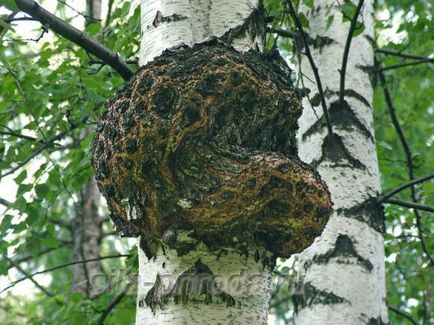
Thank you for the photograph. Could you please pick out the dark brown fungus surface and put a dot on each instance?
(203, 139)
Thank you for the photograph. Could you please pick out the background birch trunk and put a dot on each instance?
(86, 225)
(342, 276)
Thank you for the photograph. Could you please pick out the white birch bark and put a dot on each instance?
(172, 23)
(342, 275)
(168, 24)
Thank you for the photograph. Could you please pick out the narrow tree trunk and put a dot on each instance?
(242, 278)
(342, 276)
(86, 225)
(86, 231)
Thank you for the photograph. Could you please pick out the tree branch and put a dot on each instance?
(403, 314)
(406, 185)
(76, 36)
(282, 32)
(61, 267)
(44, 146)
(406, 64)
(409, 204)
(403, 55)
(343, 70)
(5, 203)
(61, 223)
(113, 304)
(17, 135)
(30, 277)
(30, 256)
(312, 64)
(409, 158)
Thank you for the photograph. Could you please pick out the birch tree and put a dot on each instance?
(197, 157)
(342, 276)
(211, 183)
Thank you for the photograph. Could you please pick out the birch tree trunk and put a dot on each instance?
(169, 24)
(342, 275)
(231, 284)
(197, 156)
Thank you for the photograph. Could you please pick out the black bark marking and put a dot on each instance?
(313, 296)
(333, 149)
(341, 116)
(343, 248)
(156, 296)
(320, 42)
(369, 211)
(376, 321)
(315, 100)
(254, 25)
(197, 284)
(159, 18)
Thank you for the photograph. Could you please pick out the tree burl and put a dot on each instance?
(203, 140)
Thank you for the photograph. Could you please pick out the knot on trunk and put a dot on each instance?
(203, 139)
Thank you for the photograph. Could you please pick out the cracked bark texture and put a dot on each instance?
(197, 156)
(342, 275)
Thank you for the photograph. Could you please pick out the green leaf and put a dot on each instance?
(4, 266)
(308, 3)
(348, 10)
(21, 177)
(360, 27)
(9, 4)
(329, 22)
(303, 19)
(20, 204)
(5, 224)
(41, 190)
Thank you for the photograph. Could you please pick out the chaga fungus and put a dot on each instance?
(203, 140)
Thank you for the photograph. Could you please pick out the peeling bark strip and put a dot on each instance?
(204, 140)
(347, 260)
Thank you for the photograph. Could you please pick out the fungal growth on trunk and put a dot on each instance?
(203, 140)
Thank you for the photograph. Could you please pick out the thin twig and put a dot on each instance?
(312, 64)
(76, 36)
(405, 64)
(406, 185)
(109, 13)
(403, 314)
(87, 17)
(409, 158)
(12, 20)
(343, 70)
(44, 146)
(2, 28)
(63, 266)
(409, 204)
(5, 203)
(61, 223)
(30, 256)
(403, 55)
(282, 32)
(29, 276)
(113, 304)
(17, 135)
